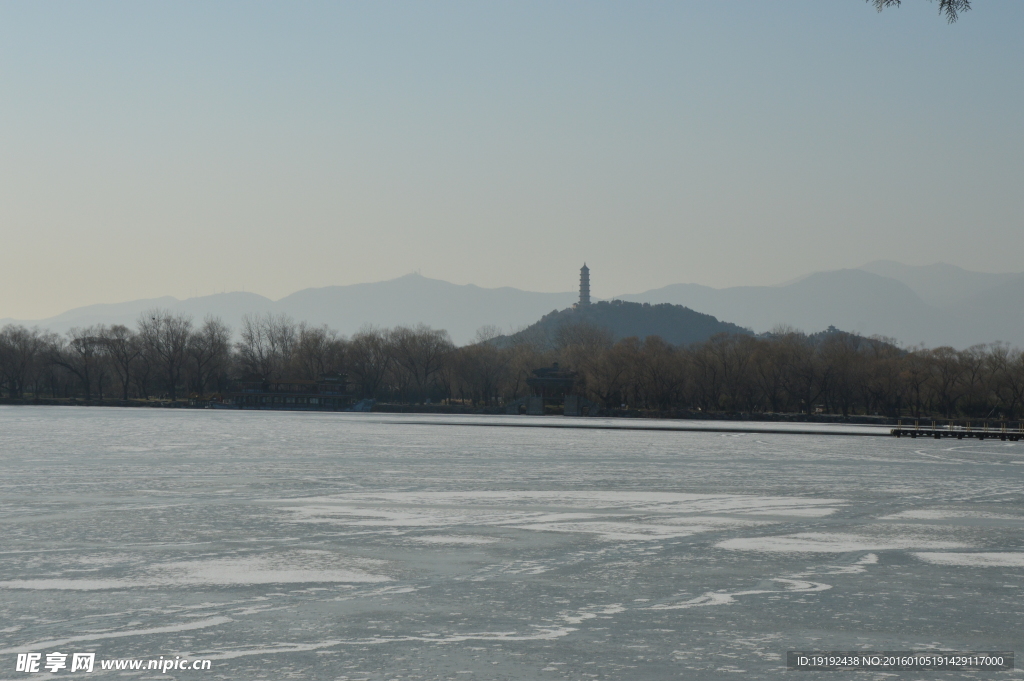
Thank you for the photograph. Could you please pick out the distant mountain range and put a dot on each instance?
(409, 300)
(935, 304)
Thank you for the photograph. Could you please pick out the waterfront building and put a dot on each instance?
(552, 383)
(328, 393)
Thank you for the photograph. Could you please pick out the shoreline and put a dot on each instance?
(466, 410)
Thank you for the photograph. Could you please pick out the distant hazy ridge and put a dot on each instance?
(935, 304)
(409, 300)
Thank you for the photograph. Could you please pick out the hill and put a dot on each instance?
(674, 323)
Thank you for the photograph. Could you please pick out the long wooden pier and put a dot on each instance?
(960, 430)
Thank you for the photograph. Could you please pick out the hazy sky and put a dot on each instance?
(187, 148)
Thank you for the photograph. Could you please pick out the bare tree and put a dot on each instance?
(917, 376)
(840, 351)
(581, 346)
(370, 355)
(80, 355)
(481, 370)
(662, 372)
(608, 372)
(266, 345)
(318, 351)
(768, 368)
(487, 332)
(525, 356)
(805, 376)
(951, 8)
(708, 382)
(421, 352)
(948, 378)
(882, 385)
(976, 381)
(165, 337)
(20, 352)
(209, 351)
(123, 350)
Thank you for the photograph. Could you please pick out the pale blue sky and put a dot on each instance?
(185, 148)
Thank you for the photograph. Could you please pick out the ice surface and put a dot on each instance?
(652, 502)
(332, 546)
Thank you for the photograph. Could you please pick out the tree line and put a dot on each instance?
(170, 356)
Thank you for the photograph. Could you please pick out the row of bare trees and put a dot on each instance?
(401, 364)
(169, 355)
(786, 371)
(165, 354)
(781, 372)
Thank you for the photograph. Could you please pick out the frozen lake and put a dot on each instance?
(357, 546)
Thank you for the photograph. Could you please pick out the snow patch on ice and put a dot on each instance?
(610, 516)
(820, 542)
(852, 569)
(267, 650)
(188, 626)
(539, 634)
(454, 539)
(261, 571)
(790, 585)
(293, 568)
(1007, 559)
(620, 531)
(592, 612)
(946, 514)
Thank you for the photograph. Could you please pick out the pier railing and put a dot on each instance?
(959, 429)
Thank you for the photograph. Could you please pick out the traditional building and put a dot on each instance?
(552, 383)
(329, 393)
(584, 285)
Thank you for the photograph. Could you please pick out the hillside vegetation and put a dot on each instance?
(674, 324)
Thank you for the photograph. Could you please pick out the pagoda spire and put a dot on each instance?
(584, 285)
